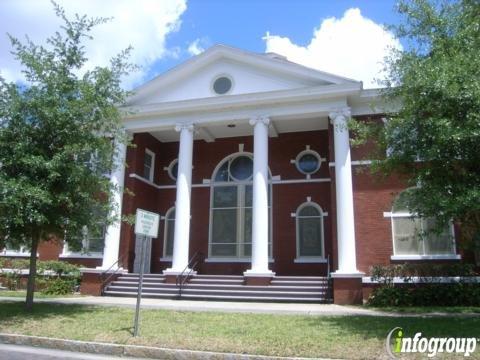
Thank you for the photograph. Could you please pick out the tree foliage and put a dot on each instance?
(434, 137)
(56, 132)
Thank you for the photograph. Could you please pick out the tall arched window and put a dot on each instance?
(418, 236)
(231, 208)
(310, 237)
(169, 233)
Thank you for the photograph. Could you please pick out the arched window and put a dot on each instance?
(169, 233)
(310, 237)
(414, 235)
(231, 208)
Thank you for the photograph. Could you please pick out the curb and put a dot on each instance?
(129, 350)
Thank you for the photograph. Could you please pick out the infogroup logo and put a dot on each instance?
(397, 343)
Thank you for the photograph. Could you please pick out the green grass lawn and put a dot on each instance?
(351, 337)
(23, 294)
(428, 309)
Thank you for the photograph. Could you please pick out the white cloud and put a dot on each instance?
(144, 24)
(352, 46)
(195, 48)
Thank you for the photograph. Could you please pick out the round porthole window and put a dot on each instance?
(173, 169)
(241, 168)
(308, 162)
(222, 85)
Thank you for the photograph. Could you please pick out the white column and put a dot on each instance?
(347, 263)
(112, 234)
(182, 204)
(260, 221)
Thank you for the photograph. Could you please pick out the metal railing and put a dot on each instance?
(329, 294)
(183, 277)
(106, 280)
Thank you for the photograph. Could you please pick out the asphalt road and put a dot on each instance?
(18, 352)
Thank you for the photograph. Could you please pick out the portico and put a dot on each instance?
(255, 178)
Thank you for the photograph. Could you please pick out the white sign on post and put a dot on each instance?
(146, 223)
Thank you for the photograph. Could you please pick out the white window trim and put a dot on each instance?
(402, 214)
(15, 253)
(166, 257)
(218, 76)
(426, 257)
(308, 150)
(232, 260)
(169, 169)
(152, 168)
(236, 183)
(309, 259)
(67, 254)
(76, 255)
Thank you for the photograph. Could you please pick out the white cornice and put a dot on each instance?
(243, 100)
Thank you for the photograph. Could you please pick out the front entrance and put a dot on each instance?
(231, 208)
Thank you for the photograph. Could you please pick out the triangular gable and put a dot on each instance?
(249, 72)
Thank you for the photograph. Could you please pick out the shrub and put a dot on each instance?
(59, 286)
(11, 271)
(428, 292)
(50, 275)
(59, 268)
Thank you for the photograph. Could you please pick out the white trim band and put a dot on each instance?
(426, 257)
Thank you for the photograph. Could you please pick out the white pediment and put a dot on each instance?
(250, 73)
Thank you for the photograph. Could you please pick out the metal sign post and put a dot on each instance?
(140, 285)
(146, 224)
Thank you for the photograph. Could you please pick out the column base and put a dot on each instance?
(347, 288)
(171, 275)
(254, 278)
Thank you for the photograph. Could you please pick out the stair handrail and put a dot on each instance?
(329, 280)
(113, 273)
(187, 272)
(328, 266)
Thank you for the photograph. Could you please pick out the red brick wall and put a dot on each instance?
(286, 197)
(372, 197)
(50, 250)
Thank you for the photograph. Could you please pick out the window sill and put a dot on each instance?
(81, 256)
(231, 260)
(167, 259)
(14, 254)
(310, 260)
(425, 257)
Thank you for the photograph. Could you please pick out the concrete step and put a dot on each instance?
(301, 278)
(221, 291)
(299, 283)
(224, 298)
(217, 286)
(216, 281)
(225, 287)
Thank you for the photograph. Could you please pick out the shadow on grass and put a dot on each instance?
(15, 310)
(377, 327)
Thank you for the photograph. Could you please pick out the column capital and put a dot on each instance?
(339, 116)
(259, 119)
(180, 127)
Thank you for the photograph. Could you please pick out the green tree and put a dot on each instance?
(434, 137)
(56, 139)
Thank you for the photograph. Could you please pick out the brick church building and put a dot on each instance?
(247, 159)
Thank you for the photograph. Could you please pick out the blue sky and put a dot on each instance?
(341, 36)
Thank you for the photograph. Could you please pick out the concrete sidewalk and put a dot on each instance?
(222, 306)
(238, 307)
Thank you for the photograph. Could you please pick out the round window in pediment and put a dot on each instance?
(222, 85)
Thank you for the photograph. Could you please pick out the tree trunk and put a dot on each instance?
(32, 272)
